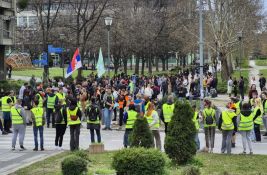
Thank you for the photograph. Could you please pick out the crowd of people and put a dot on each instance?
(99, 101)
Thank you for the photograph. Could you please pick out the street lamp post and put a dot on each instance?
(108, 22)
(240, 36)
(61, 37)
(201, 49)
(216, 60)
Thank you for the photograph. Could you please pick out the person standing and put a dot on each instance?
(235, 84)
(229, 86)
(264, 105)
(61, 124)
(19, 124)
(74, 115)
(262, 81)
(209, 125)
(227, 124)
(154, 124)
(7, 103)
(241, 87)
(129, 119)
(21, 90)
(258, 112)
(37, 115)
(167, 112)
(51, 101)
(245, 126)
(93, 114)
(33, 82)
(197, 126)
(108, 103)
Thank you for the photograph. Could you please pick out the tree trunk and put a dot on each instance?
(167, 62)
(131, 62)
(143, 66)
(157, 64)
(116, 65)
(137, 65)
(163, 63)
(230, 65)
(224, 72)
(125, 65)
(150, 65)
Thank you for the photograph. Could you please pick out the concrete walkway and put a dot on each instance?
(23, 78)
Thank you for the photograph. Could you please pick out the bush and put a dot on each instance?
(179, 142)
(191, 170)
(74, 165)
(139, 161)
(82, 154)
(10, 85)
(141, 135)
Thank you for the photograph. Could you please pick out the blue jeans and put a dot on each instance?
(197, 141)
(107, 116)
(126, 137)
(35, 133)
(7, 121)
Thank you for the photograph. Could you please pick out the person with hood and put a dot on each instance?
(167, 112)
(19, 124)
(129, 119)
(245, 126)
(227, 124)
(258, 112)
(139, 104)
(93, 114)
(51, 101)
(61, 123)
(74, 116)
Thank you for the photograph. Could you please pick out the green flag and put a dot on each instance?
(100, 64)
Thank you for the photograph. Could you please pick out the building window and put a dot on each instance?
(22, 21)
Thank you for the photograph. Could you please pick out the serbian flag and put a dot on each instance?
(75, 63)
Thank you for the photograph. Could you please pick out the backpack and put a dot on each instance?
(58, 116)
(209, 119)
(93, 113)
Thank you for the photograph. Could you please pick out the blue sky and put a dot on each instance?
(265, 5)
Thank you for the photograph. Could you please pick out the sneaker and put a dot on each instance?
(244, 152)
(61, 148)
(35, 149)
(233, 145)
(211, 150)
(13, 148)
(22, 148)
(42, 149)
(9, 131)
(105, 128)
(4, 133)
(110, 129)
(265, 134)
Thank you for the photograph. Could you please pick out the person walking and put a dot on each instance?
(108, 103)
(19, 124)
(37, 115)
(74, 115)
(241, 87)
(209, 121)
(129, 119)
(51, 101)
(227, 124)
(154, 124)
(258, 112)
(167, 112)
(262, 81)
(93, 114)
(245, 126)
(61, 124)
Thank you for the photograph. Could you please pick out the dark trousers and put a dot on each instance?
(209, 136)
(50, 112)
(115, 114)
(35, 133)
(121, 116)
(1, 125)
(60, 131)
(257, 132)
(166, 127)
(74, 137)
(241, 93)
(7, 121)
(92, 133)
(126, 137)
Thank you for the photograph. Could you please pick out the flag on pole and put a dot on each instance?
(75, 63)
(100, 64)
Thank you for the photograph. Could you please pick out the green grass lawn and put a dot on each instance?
(264, 72)
(216, 164)
(261, 62)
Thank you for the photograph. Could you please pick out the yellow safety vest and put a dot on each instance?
(15, 116)
(265, 108)
(207, 112)
(195, 120)
(79, 105)
(40, 99)
(5, 105)
(237, 105)
(146, 107)
(51, 102)
(227, 120)
(258, 120)
(61, 97)
(132, 116)
(97, 121)
(74, 113)
(38, 115)
(246, 123)
(150, 120)
(167, 112)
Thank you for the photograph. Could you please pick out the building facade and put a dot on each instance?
(7, 31)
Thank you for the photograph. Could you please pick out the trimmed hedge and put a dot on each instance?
(74, 165)
(139, 161)
(10, 85)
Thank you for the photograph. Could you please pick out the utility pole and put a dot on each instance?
(201, 49)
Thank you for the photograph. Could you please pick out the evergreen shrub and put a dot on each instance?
(74, 165)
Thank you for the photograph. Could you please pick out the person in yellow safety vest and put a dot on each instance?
(154, 123)
(254, 95)
(236, 101)
(51, 101)
(197, 126)
(167, 112)
(264, 105)
(74, 115)
(61, 95)
(209, 120)
(19, 124)
(245, 126)
(38, 120)
(39, 97)
(258, 112)
(61, 124)
(129, 119)
(227, 124)
(147, 102)
(7, 103)
(93, 114)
